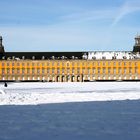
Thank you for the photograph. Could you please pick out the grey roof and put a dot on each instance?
(46, 55)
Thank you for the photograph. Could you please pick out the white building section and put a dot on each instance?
(112, 55)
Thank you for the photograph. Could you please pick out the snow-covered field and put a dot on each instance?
(44, 93)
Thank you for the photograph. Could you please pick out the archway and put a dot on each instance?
(68, 78)
(72, 78)
(63, 78)
(58, 79)
(78, 78)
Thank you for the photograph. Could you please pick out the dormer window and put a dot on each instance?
(23, 57)
(33, 57)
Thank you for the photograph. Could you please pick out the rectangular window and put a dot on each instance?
(33, 71)
(130, 70)
(38, 71)
(93, 70)
(103, 63)
(103, 70)
(23, 70)
(48, 70)
(13, 71)
(72, 70)
(28, 71)
(99, 70)
(53, 70)
(109, 70)
(124, 70)
(3, 70)
(136, 70)
(78, 70)
(3, 64)
(63, 70)
(58, 71)
(119, 63)
(18, 71)
(43, 70)
(120, 70)
(7, 64)
(114, 70)
(88, 71)
(8, 71)
(83, 70)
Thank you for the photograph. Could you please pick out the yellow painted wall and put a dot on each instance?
(85, 69)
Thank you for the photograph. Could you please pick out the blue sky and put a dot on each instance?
(69, 25)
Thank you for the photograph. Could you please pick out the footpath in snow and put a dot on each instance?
(44, 93)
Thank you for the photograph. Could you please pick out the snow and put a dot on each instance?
(110, 55)
(46, 93)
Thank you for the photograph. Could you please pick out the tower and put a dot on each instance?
(0, 41)
(137, 44)
(1, 46)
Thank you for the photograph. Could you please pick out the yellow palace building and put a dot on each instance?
(70, 66)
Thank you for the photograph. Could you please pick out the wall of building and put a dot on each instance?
(69, 70)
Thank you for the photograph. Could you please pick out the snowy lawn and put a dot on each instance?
(44, 93)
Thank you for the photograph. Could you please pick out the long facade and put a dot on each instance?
(69, 67)
(69, 70)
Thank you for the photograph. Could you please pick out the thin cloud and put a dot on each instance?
(90, 15)
(127, 8)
